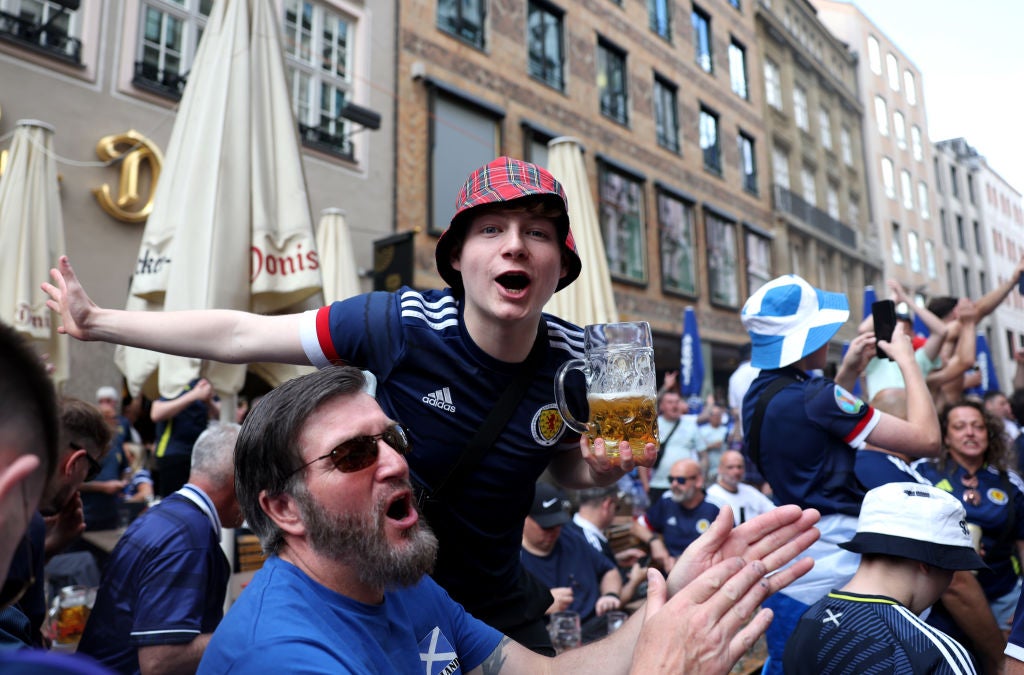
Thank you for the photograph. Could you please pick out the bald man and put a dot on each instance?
(746, 501)
(680, 516)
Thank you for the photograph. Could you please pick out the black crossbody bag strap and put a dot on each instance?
(495, 422)
(754, 437)
(657, 461)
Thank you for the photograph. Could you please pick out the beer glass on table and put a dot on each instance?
(564, 629)
(618, 366)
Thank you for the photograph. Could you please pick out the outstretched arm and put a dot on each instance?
(987, 303)
(219, 335)
(936, 327)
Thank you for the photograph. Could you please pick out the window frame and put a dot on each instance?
(540, 72)
(712, 153)
(659, 18)
(666, 102)
(607, 53)
(721, 243)
(748, 161)
(677, 244)
(738, 80)
(634, 237)
(773, 84)
(459, 26)
(702, 39)
(801, 115)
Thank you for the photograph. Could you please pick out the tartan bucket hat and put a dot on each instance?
(788, 319)
(505, 180)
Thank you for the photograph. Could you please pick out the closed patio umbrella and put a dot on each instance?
(31, 238)
(337, 257)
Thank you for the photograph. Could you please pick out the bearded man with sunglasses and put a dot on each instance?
(322, 480)
(162, 591)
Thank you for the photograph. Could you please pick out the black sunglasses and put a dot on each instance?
(682, 480)
(94, 466)
(360, 452)
(13, 589)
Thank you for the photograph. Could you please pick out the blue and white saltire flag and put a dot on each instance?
(869, 299)
(691, 362)
(983, 358)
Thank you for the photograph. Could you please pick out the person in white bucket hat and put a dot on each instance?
(912, 538)
(803, 431)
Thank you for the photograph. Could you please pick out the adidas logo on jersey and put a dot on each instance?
(442, 398)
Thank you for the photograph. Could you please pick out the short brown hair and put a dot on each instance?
(83, 421)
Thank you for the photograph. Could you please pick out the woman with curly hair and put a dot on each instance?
(974, 467)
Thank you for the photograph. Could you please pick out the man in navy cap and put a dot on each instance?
(803, 431)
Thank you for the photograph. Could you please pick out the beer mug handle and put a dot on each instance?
(563, 408)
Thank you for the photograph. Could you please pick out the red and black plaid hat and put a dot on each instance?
(505, 180)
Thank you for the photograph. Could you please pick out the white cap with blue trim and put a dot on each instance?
(789, 319)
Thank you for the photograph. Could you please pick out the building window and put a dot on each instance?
(678, 266)
(909, 87)
(710, 144)
(874, 55)
(622, 223)
(722, 279)
(464, 19)
(954, 184)
(772, 84)
(970, 188)
(748, 163)
(922, 199)
(535, 144)
(897, 245)
(907, 189)
(889, 178)
(759, 260)
(738, 69)
(736, 5)
(938, 175)
(465, 137)
(915, 143)
(899, 127)
(825, 122)
(966, 274)
(666, 114)
(944, 225)
(50, 28)
(810, 193)
(881, 116)
(611, 81)
(929, 258)
(832, 201)
(702, 39)
(960, 236)
(800, 115)
(892, 71)
(915, 255)
(545, 48)
(318, 56)
(982, 283)
(780, 167)
(853, 211)
(846, 142)
(660, 13)
(977, 236)
(170, 35)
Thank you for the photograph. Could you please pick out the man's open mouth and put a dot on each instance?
(514, 281)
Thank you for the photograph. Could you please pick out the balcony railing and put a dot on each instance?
(50, 40)
(811, 215)
(321, 139)
(151, 78)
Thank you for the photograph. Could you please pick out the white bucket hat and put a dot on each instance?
(915, 521)
(789, 319)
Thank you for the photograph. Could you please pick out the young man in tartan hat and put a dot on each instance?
(442, 359)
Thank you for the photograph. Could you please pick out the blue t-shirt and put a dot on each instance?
(573, 563)
(176, 436)
(678, 525)
(876, 468)
(992, 514)
(164, 584)
(852, 633)
(810, 435)
(100, 508)
(432, 377)
(1015, 645)
(286, 622)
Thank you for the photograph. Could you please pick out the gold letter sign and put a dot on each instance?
(132, 149)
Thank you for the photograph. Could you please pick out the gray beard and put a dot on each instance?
(360, 543)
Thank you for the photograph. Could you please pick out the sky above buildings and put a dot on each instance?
(971, 57)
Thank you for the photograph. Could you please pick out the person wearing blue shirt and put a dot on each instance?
(162, 591)
(803, 431)
(179, 421)
(678, 517)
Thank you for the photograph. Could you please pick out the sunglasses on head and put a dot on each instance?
(94, 466)
(360, 452)
(682, 480)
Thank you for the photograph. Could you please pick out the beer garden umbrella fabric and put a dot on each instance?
(337, 257)
(589, 299)
(691, 361)
(231, 226)
(31, 238)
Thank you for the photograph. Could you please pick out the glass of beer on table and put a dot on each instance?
(618, 366)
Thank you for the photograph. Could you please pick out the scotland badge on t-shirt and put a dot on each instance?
(438, 655)
(847, 402)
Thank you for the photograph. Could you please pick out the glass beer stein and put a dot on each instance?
(618, 365)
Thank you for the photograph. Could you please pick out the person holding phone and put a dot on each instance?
(804, 431)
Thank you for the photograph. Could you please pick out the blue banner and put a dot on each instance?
(691, 360)
(987, 367)
(869, 299)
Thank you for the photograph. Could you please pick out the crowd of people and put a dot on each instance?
(401, 533)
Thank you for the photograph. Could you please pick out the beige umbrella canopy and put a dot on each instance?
(589, 299)
(337, 257)
(31, 238)
(231, 226)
